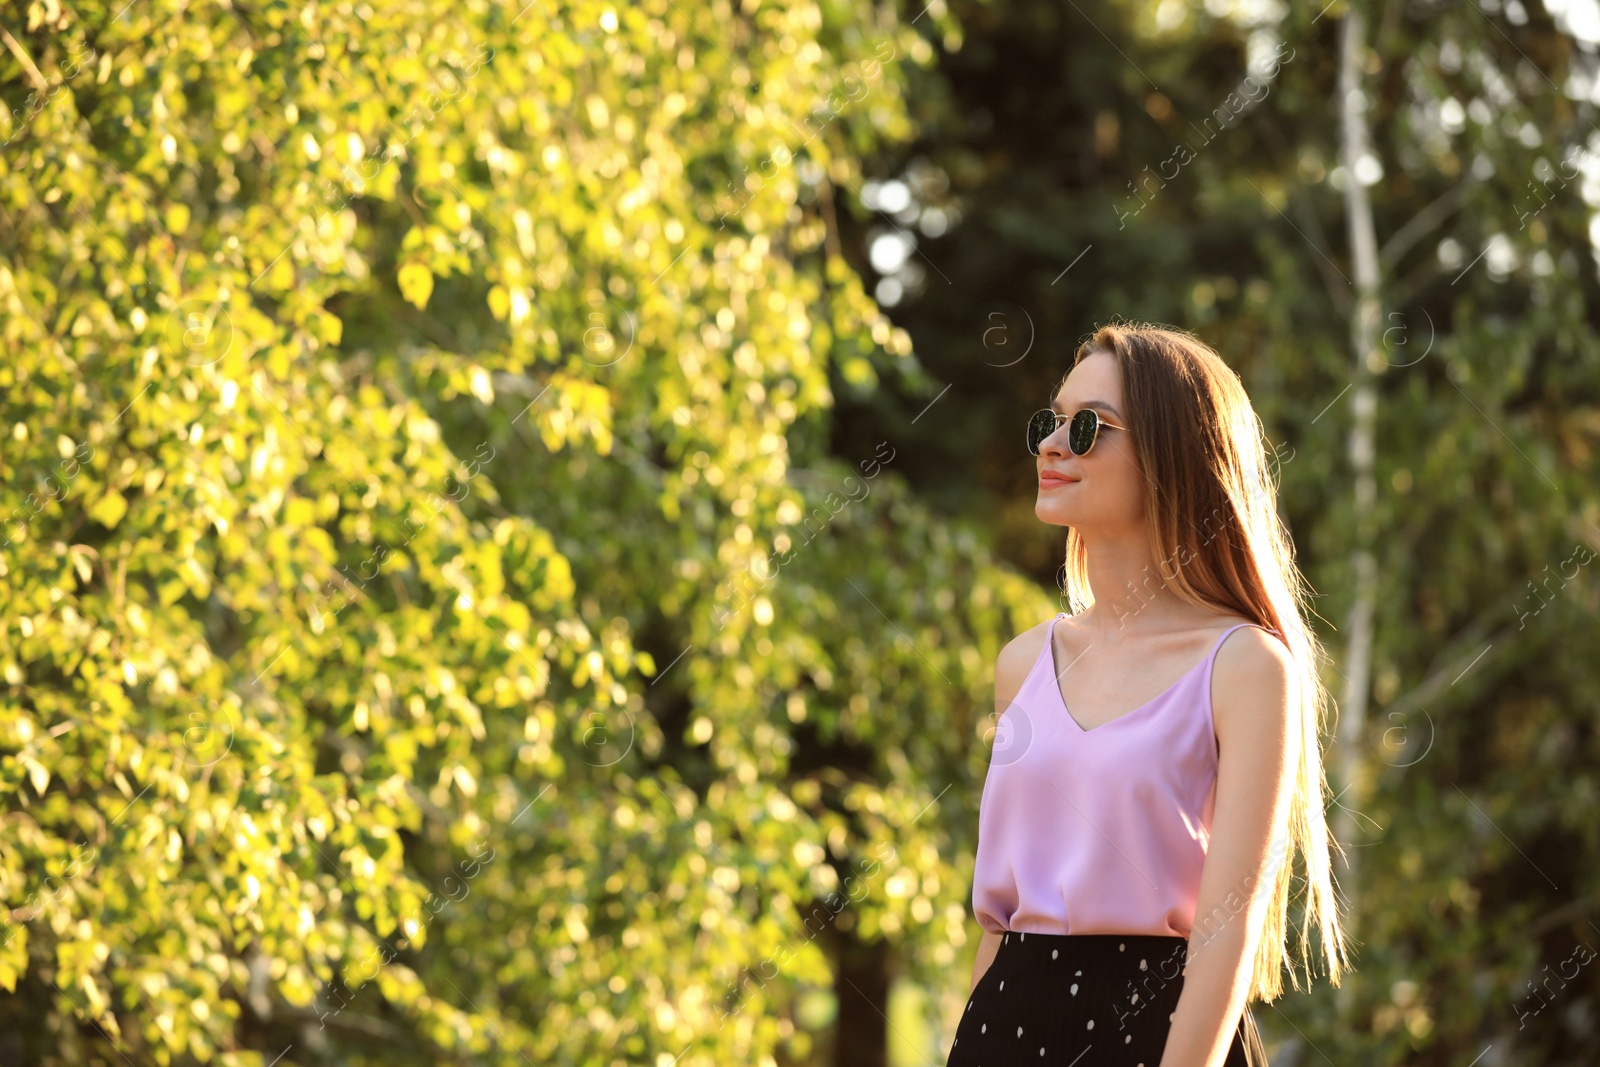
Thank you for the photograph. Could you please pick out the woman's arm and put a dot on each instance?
(988, 946)
(1011, 669)
(1259, 737)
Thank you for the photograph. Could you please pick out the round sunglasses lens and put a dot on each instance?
(1081, 435)
(1042, 425)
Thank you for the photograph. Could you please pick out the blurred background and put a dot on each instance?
(510, 510)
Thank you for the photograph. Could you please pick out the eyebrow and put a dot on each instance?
(1099, 404)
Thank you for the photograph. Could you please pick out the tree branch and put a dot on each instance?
(1338, 285)
(348, 1023)
(27, 61)
(1454, 663)
(1423, 222)
(1565, 913)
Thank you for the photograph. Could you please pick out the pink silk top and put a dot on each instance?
(1102, 830)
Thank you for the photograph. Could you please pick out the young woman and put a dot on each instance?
(1156, 764)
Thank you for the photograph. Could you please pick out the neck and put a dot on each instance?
(1129, 591)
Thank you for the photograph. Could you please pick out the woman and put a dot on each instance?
(1156, 767)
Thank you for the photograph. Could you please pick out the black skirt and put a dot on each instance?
(1082, 1000)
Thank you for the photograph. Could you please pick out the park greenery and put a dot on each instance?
(510, 510)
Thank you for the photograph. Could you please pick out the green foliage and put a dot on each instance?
(1476, 876)
(478, 584)
(400, 413)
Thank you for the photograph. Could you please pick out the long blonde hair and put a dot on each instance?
(1212, 505)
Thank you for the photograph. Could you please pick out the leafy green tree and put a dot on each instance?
(436, 625)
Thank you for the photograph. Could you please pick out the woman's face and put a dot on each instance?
(1105, 488)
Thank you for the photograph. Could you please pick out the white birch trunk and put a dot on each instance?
(1356, 661)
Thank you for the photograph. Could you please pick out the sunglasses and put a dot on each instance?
(1081, 435)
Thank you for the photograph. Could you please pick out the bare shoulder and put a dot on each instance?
(1015, 661)
(1253, 684)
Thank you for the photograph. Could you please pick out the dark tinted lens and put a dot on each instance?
(1081, 434)
(1040, 426)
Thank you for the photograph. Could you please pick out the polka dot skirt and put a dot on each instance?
(1084, 1000)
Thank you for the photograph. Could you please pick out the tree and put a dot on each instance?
(388, 681)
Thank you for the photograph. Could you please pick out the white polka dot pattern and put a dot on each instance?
(1076, 1000)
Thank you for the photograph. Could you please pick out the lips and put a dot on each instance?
(1050, 479)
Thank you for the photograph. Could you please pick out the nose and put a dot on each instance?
(1055, 444)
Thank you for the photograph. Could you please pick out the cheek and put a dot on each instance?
(1119, 485)
(1135, 504)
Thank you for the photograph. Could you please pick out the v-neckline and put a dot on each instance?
(1055, 678)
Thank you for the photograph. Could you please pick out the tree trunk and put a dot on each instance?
(863, 974)
(1364, 318)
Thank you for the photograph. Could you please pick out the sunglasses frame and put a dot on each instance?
(1098, 420)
